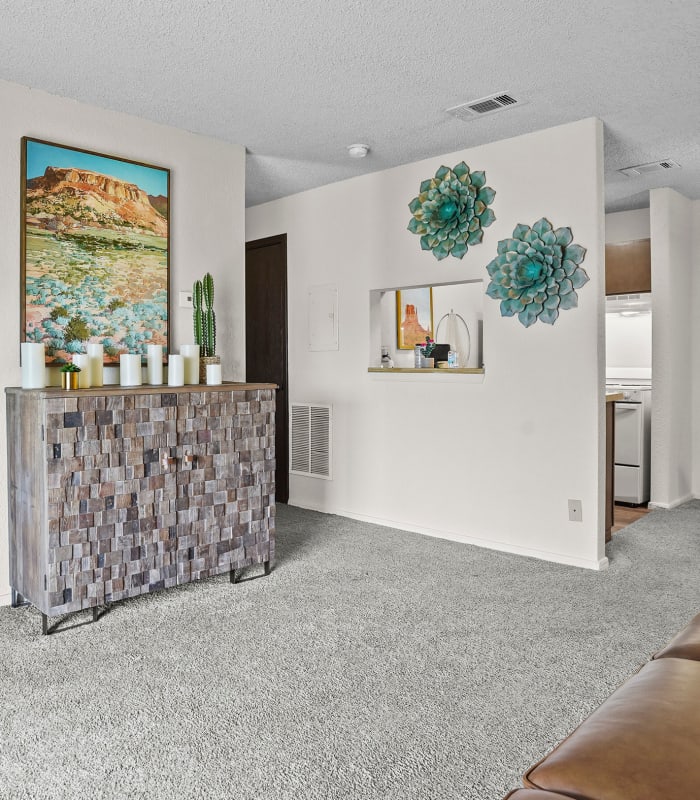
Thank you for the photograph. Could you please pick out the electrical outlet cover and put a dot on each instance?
(575, 511)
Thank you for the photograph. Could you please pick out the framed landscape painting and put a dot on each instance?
(414, 316)
(95, 252)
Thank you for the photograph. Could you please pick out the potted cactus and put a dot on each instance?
(204, 319)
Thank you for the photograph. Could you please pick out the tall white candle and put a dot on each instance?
(176, 370)
(214, 374)
(155, 364)
(33, 365)
(130, 369)
(82, 360)
(190, 353)
(96, 352)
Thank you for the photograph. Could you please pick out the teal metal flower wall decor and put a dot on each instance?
(451, 211)
(536, 273)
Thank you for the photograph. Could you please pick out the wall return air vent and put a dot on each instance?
(484, 106)
(310, 440)
(652, 166)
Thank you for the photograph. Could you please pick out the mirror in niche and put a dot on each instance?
(456, 321)
(414, 317)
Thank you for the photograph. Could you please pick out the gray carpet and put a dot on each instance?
(372, 663)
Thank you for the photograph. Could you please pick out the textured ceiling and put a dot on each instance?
(298, 82)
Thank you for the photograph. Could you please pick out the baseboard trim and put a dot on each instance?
(487, 544)
(6, 599)
(673, 503)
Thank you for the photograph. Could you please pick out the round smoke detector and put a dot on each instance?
(358, 150)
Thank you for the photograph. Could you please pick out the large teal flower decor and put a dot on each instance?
(536, 273)
(451, 211)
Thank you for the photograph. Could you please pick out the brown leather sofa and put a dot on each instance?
(536, 794)
(642, 743)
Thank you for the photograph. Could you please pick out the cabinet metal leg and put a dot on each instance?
(58, 627)
(235, 576)
(17, 600)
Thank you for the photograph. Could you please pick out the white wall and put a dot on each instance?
(487, 460)
(695, 348)
(206, 214)
(628, 345)
(627, 226)
(672, 277)
(627, 339)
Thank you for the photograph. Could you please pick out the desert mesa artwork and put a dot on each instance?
(414, 316)
(95, 252)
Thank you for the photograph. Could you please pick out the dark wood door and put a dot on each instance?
(266, 337)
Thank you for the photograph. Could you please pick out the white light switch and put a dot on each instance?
(186, 299)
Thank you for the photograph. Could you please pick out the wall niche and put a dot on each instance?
(464, 299)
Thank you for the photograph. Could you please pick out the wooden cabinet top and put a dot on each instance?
(101, 391)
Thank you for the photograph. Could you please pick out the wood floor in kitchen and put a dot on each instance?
(626, 515)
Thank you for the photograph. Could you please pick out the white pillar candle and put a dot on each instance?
(155, 364)
(96, 352)
(190, 353)
(214, 374)
(33, 365)
(130, 369)
(176, 370)
(82, 360)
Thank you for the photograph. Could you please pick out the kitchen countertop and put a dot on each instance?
(613, 397)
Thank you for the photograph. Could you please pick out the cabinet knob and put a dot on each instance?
(188, 458)
(167, 461)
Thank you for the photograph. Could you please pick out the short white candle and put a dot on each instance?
(176, 370)
(214, 374)
(155, 364)
(130, 369)
(82, 360)
(190, 353)
(33, 365)
(96, 352)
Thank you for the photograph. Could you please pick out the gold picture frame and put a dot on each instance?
(414, 316)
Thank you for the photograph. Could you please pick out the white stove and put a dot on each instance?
(632, 442)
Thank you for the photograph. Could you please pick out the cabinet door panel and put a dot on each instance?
(26, 477)
(221, 496)
(628, 267)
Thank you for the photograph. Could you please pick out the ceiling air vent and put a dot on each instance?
(483, 106)
(652, 166)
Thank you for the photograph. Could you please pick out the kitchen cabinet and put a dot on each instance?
(628, 267)
(119, 492)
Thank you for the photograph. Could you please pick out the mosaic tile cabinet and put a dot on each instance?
(116, 492)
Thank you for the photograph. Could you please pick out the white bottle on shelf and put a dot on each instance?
(417, 357)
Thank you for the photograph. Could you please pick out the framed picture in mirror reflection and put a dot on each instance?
(414, 316)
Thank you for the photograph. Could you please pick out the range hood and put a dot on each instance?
(628, 304)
